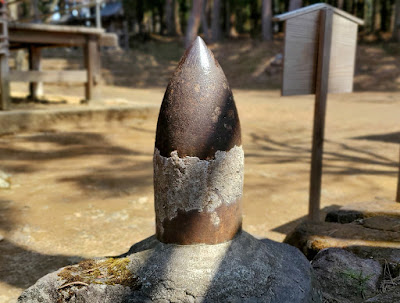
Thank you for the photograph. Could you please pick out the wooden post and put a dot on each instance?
(125, 34)
(35, 88)
(398, 185)
(324, 48)
(4, 69)
(4, 82)
(92, 63)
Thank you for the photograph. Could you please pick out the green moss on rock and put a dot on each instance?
(108, 271)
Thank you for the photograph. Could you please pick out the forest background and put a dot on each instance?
(214, 19)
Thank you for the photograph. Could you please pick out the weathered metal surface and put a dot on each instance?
(193, 227)
(198, 201)
(198, 159)
(198, 115)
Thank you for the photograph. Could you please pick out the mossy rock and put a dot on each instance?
(108, 271)
(242, 270)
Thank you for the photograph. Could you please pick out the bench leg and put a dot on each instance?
(4, 83)
(35, 88)
(92, 63)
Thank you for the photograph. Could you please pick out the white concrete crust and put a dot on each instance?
(190, 183)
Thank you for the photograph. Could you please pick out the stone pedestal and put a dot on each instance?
(242, 270)
(368, 229)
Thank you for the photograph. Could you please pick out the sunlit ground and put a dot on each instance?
(83, 190)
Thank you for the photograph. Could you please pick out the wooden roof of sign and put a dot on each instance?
(316, 7)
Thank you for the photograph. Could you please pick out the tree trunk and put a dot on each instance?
(340, 4)
(34, 11)
(227, 18)
(361, 9)
(347, 5)
(255, 18)
(354, 7)
(267, 20)
(204, 20)
(177, 20)
(169, 17)
(215, 21)
(161, 16)
(142, 21)
(295, 4)
(368, 15)
(377, 16)
(172, 22)
(194, 22)
(384, 16)
(396, 29)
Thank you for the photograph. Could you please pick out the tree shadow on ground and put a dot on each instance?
(75, 144)
(291, 225)
(110, 182)
(27, 100)
(388, 137)
(339, 158)
(126, 168)
(21, 267)
(27, 153)
(6, 215)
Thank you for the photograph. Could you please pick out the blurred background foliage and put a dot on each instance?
(214, 19)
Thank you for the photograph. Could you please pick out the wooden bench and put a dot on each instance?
(34, 37)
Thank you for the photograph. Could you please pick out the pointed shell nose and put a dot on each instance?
(198, 159)
(198, 115)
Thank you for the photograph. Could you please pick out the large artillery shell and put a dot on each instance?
(198, 159)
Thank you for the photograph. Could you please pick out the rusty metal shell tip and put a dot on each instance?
(198, 115)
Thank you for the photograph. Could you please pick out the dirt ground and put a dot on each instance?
(85, 190)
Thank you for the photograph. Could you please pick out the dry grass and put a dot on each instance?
(388, 282)
(109, 271)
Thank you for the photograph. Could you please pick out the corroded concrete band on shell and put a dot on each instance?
(198, 201)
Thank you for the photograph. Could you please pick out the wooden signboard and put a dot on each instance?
(300, 54)
(319, 58)
(343, 55)
(301, 50)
